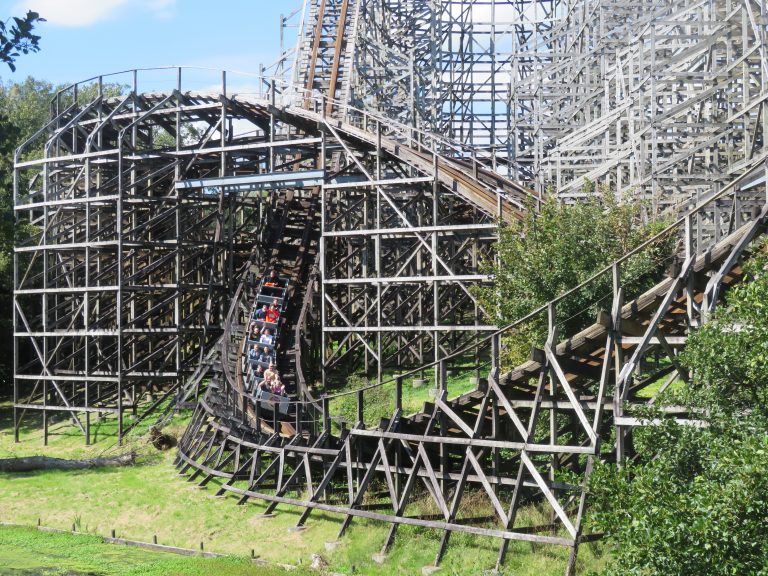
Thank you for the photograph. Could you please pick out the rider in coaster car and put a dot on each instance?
(266, 355)
(273, 315)
(261, 313)
(267, 338)
(273, 280)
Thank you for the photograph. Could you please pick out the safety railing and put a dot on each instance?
(689, 236)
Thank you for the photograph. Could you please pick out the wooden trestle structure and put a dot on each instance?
(508, 439)
(154, 211)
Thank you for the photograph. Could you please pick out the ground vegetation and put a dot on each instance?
(695, 499)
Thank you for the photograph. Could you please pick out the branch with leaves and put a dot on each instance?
(16, 37)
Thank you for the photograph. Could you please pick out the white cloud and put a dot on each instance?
(81, 13)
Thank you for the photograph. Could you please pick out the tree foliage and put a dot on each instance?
(696, 501)
(9, 136)
(700, 506)
(24, 108)
(728, 356)
(550, 251)
(26, 105)
(16, 37)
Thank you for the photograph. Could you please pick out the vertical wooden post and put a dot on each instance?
(258, 415)
(442, 384)
(495, 431)
(326, 415)
(45, 412)
(618, 361)
(360, 408)
(299, 423)
(689, 253)
(443, 448)
(275, 420)
(360, 424)
(553, 434)
(377, 258)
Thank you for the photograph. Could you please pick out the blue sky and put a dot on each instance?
(85, 38)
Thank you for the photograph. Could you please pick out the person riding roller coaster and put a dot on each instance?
(273, 315)
(273, 280)
(273, 284)
(270, 373)
(267, 338)
(261, 313)
(266, 356)
(277, 387)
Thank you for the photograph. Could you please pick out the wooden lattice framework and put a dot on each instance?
(510, 439)
(146, 208)
(658, 98)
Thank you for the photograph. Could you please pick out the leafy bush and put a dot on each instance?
(700, 506)
(729, 355)
(696, 500)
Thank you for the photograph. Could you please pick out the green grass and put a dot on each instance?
(31, 552)
(652, 388)
(379, 402)
(150, 499)
(66, 440)
(415, 547)
(144, 500)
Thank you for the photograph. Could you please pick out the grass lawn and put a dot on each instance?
(28, 552)
(379, 402)
(150, 499)
(654, 387)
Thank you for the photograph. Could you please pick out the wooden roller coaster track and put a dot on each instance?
(489, 440)
(155, 210)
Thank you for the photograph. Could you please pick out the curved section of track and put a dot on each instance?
(488, 440)
(144, 240)
(166, 213)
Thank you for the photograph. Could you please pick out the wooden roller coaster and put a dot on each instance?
(489, 439)
(155, 211)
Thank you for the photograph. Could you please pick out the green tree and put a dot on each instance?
(16, 38)
(9, 136)
(728, 356)
(696, 499)
(695, 504)
(23, 109)
(550, 251)
(26, 105)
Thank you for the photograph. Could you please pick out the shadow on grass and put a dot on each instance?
(66, 440)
